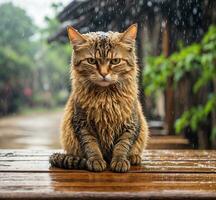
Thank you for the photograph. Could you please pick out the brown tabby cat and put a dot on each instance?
(103, 121)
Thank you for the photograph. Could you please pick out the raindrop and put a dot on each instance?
(140, 2)
(201, 31)
(133, 12)
(178, 14)
(194, 11)
(156, 9)
(176, 22)
(127, 21)
(191, 20)
(163, 24)
(149, 4)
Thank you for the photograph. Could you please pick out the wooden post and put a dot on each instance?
(140, 55)
(213, 122)
(169, 93)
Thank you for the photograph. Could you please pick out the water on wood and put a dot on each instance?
(35, 131)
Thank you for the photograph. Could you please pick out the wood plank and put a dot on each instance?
(147, 166)
(163, 175)
(139, 195)
(106, 187)
(105, 182)
(168, 142)
(147, 154)
(26, 152)
(105, 177)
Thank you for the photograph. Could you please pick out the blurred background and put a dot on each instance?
(176, 49)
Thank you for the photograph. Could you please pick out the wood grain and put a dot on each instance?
(164, 174)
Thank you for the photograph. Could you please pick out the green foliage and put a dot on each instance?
(16, 28)
(53, 65)
(32, 72)
(14, 67)
(194, 116)
(159, 69)
(52, 22)
(53, 61)
(16, 55)
(199, 58)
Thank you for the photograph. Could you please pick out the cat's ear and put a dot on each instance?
(75, 37)
(130, 34)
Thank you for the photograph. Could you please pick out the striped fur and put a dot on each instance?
(67, 161)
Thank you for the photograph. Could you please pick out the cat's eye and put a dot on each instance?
(91, 61)
(115, 61)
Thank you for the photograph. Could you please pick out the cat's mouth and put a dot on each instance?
(104, 83)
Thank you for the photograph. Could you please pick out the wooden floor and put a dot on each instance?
(168, 142)
(164, 174)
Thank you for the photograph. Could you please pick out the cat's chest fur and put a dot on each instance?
(106, 113)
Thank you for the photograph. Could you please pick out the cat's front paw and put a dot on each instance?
(96, 164)
(120, 165)
(135, 159)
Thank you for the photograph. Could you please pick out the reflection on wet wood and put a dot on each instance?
(164, 174)
(167, 141)
(31, 131)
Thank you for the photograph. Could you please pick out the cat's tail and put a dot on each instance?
(67, 161)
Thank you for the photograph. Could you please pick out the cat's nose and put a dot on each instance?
(103, 70)
(106, 77)
(104, 74)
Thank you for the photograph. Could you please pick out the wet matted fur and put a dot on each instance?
(103, 123)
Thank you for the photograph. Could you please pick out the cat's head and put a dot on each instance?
(104, 58)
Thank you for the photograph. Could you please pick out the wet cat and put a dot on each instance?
(103, 123)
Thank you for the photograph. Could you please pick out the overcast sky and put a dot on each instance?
(37, 9)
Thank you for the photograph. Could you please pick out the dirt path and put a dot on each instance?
(33, 131)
